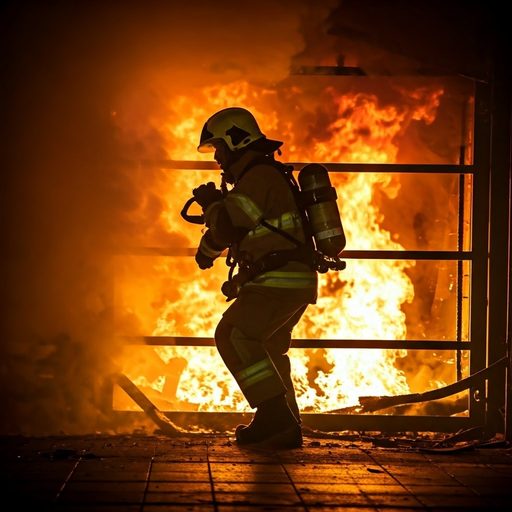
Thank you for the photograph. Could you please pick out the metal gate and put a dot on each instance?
(482, 261)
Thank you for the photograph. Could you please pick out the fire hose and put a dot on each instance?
(375, 403)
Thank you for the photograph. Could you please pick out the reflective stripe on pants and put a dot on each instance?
(249, 364)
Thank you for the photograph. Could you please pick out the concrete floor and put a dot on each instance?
(150, 473)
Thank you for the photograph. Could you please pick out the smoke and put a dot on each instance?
(72, 192)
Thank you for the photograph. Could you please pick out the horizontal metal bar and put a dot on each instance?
(187, 341)
(200, 165)
(374, 72)
(383, 344)
(325, 422)
(349, 255)
(156, 251)
(381, 423)
(408, 255)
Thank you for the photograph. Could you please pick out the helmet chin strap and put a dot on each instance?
(227, 176)
(232, 158)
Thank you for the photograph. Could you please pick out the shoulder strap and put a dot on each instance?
(286, 171)
(282, 233)
(263, 159)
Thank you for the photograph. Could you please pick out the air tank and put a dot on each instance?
(319, 198)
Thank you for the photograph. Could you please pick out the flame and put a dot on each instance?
(363, 302)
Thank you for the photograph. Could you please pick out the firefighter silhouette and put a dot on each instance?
(274, 233)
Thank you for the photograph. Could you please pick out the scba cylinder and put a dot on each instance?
(319, 198)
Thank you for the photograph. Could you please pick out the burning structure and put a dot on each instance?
(411, 116)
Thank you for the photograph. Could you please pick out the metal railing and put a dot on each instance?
(485, 393)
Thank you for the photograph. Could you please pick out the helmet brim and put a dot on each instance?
(264, 145)
(207, 146)
(261, 145)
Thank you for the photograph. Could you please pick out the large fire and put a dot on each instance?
(365, 301)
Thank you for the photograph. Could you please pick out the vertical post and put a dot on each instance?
(499, 239)
(480, 247)
(460, 275)
(460, 244)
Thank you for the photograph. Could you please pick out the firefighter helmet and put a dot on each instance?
(238, 128)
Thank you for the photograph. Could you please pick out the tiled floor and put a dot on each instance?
(146, 473)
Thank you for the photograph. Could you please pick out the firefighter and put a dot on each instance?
(256, 217)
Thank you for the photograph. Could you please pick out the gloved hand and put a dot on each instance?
(230, 290)
(203, 261)
(207, 194)
(232, 287)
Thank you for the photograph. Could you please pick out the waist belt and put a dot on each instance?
(278, 259)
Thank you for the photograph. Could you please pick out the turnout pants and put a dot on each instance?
(254, 336)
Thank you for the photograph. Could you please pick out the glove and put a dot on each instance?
(230, 290)
(232, 287)
(203, 261)
(207, 194)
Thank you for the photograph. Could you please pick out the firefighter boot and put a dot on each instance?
(273, 425)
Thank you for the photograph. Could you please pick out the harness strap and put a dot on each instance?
(281, 232)
(303, 252)
(278, 259)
